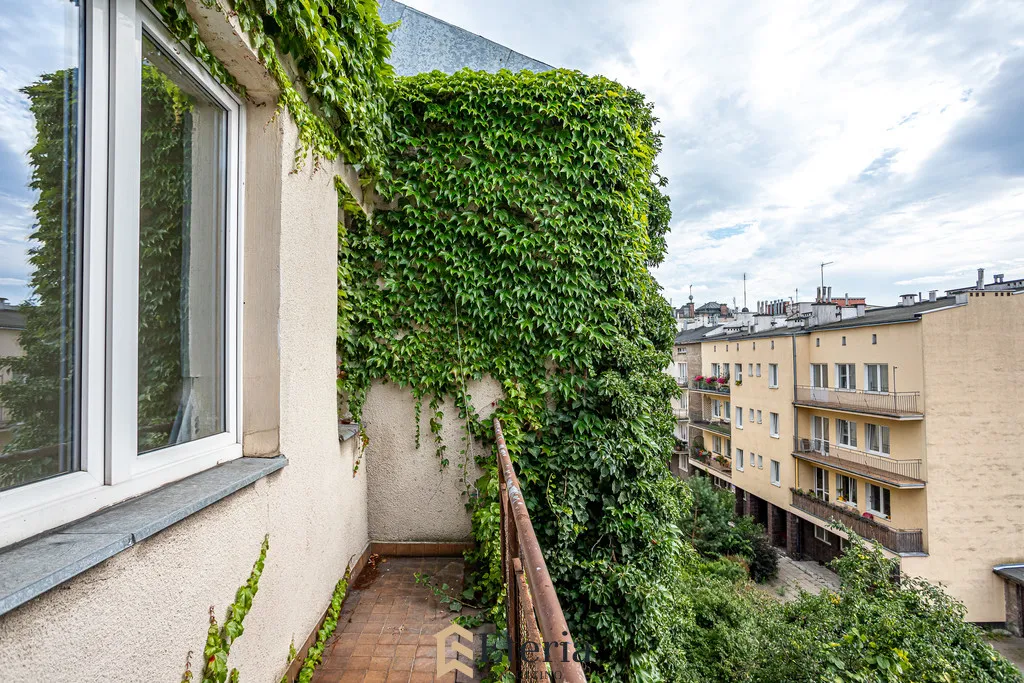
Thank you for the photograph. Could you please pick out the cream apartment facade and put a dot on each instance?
(898, 422)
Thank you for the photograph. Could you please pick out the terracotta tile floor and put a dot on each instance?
(388, 624)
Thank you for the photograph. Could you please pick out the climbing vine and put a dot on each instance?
(526, 209)
(316, 650)
(338, 95)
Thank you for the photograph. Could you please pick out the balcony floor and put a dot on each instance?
(835, 461)
(386, 631)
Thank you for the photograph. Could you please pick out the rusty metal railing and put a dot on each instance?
(538, 635)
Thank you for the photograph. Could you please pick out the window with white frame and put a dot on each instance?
(716, 408)
(846, 489)
(739, 459)
(846, 433)
(716, 370)
(757, 370)
(821, 483)
(876, 377)
(876, 438)
(739, 370)
(879, 501)
(846, 376)
(760, 462)
(759, 417)
(751, 415)
(683, 374)
(716, 444)
(773, 425)
(819, 375)
(821, 534)
(129, 262)
(750, 369)
(727, 410)
(775, 472)
(773, 375)
(739, 417)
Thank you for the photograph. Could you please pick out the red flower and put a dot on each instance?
(698, 378)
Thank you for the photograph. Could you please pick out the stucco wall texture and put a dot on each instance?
(136, 616)
(411, 497)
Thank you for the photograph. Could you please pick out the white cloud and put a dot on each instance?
(870, 133)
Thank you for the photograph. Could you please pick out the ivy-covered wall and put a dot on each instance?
(527, 209)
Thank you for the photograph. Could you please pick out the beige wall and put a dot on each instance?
(411, 496)
(974, 373)
(137, 615)
(754, 392)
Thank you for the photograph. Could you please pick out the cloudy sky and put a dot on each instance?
(887, 137)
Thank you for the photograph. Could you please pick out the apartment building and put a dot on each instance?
(685, 366)
(896, 422)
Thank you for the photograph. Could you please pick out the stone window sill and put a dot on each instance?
(32, 567)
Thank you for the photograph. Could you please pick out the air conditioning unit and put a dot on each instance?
(805, 445)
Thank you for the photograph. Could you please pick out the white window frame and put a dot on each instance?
(821, 534)
(716, 370)
(882, 491)
(884, 439)
(775, 473)
(846, 433)
(819, 373)
(683, 370)
(738, 370)
(716, 408)
(739, 459)
(759, 417)
(846, 376)
(750, 416)
(760, 462)
(840, 480)
(821, 484)
(739, 417)
(110, 468)
(716, 444)
(757, 370)
(773, 425)
(773, 375)
(874, 371)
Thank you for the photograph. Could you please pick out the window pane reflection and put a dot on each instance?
(40, 90)
(181, 259)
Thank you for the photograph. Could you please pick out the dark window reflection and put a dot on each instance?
(40, 46)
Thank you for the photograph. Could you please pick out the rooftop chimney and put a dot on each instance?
(907, 299)
(933, 294)
(998, 279)
(847, 297)
(981, 278)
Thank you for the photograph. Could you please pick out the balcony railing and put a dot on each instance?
(897, 405)
(906, 473)
(710, 387)
(712, 461)
(896, 540)
(717, 427)
(534, 614)
(683, 381)
(681, 413)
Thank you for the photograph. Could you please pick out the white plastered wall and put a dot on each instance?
(136, 616)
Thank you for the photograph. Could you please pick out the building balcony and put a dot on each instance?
(712, 462)
(722, 428)
(900, 541)
(681, 414)
(896, 406)
(901, 474)
(716, 388)
(683, 382)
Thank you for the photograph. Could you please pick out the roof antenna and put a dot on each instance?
(829, 263)
(744, 291)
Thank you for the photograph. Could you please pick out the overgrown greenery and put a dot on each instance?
(316, 651)
(338, 97)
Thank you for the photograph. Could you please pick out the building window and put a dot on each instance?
(716, 370)
(773, 344)
(754, 344)
(817, 341)
(716, 444)
(739, 417)
(165, 280)
(874, 339)
(760, 462)
(739, 459)
(879, 501)
(876, 439)
(819, 375)
(775, 472)
(716, 408)
(715, 348)
(773, 375)
(846, 433)
(683, 371)
(846, 489)
(821, 483)
(773, 424)
(751, 416)
(727, 410)
(757, 370)
(846, 376)
(821, 534)
(844, 340)
(750, 369)
(759, 417)
(739, 370)
(876, 377)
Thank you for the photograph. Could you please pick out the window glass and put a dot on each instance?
(181, 259)
(773, 424)
(40, 229)
(773, 375)
(774, 471)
